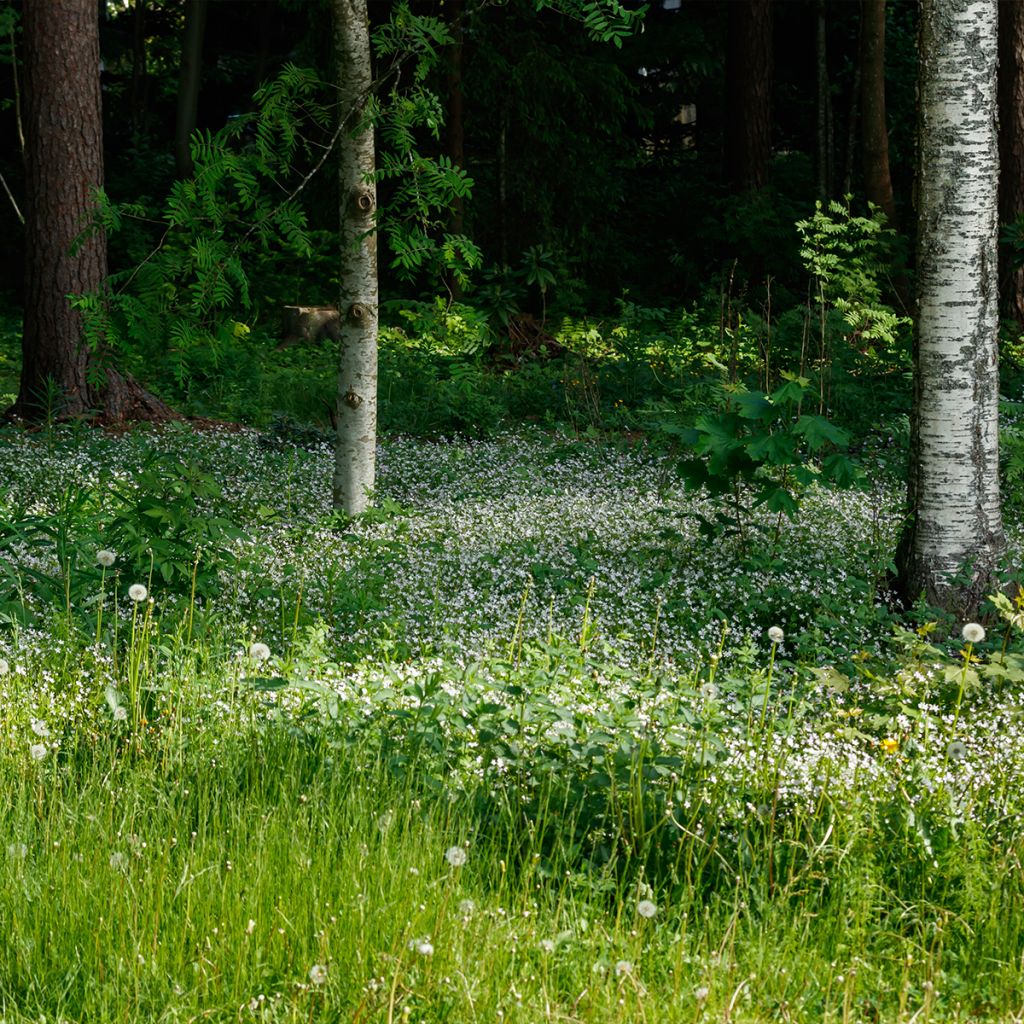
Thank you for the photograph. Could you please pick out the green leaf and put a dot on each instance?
(817, 431)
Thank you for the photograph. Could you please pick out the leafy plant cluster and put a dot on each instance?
(168, 528)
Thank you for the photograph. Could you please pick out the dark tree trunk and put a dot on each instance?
(456, 121)
(188, 85)
(749, 80)
(874, 130)
(140, 81)
(1011, 149)
(824, 107)
(64, 163)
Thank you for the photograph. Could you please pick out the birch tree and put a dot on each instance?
(954, 539)
(356, 410)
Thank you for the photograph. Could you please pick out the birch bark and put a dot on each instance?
(356, 411)
(955, 537)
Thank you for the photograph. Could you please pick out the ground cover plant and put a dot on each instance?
(523, 743)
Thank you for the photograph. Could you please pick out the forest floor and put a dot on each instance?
(527, 742)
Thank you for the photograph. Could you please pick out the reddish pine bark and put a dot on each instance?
(64, 163)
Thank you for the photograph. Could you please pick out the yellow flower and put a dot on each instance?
(890, 745)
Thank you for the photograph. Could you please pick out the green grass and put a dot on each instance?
(213, 861)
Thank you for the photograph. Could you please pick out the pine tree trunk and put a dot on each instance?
(1011, 148)
(749, 84)
(955, 537)
(356, 413)
(64, 163)
(189, 81)
(874, 130)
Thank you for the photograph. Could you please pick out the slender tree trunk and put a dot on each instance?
(853, 117)
(189, 81)
(139, 70)
(749, 85)
(503, 183)
(824, 148)
(951, 548)
(1011, 148)
(456, 120)
(874, 131)
(356, 414)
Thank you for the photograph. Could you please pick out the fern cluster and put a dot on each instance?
(189, 289)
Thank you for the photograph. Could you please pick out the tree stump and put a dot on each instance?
(309, 323)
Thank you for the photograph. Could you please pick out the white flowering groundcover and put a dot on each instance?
(531, 636)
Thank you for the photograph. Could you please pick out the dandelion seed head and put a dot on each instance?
(259, 651)
(466, 907)
(120, 713)
(776, 634)
(700, 994)
(973, 633)
(647, 908)
(956, 750)
(318, 974)
(40, 728)
(118, 861)
(138, 592)
(106, 558)
(4, 667)
(547, 945)
(456, 856)
(17, 851)
(38, 751)
(622, 968)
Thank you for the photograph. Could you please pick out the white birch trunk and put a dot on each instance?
(955, 537)
(356, 412)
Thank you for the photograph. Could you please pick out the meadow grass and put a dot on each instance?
(488, 754)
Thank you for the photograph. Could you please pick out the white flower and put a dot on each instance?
(137, 592)
(259, 652)
(700, 994)
(623, 967)
(40, 728)
(106, 558)
(973, 633)
(318, 974)
(118, 861)
(456, 856)
(38, 751)
(647, 908)
(4, 667)
(120, 713)
(776, 635)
